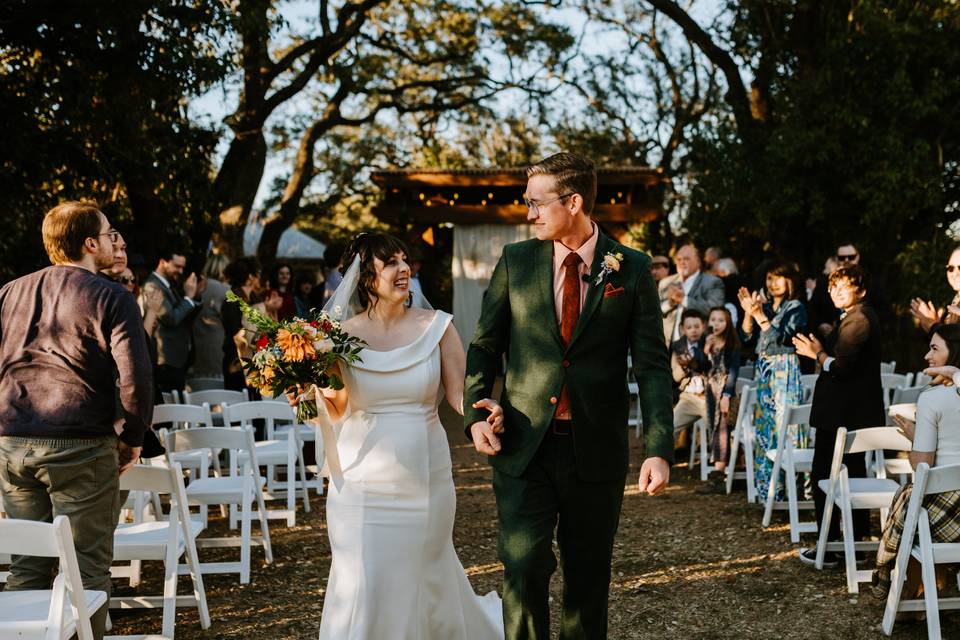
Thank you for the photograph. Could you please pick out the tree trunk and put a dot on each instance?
(236, 188)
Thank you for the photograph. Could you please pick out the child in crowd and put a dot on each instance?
(722, 349)
(689, 364)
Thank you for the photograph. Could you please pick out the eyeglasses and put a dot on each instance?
(114, 236)
(535, 206)
(951, 267)
(127, 280)
(847, 258)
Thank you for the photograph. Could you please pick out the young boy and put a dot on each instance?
(689, 364)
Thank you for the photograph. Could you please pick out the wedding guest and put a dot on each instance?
(333, 261)
(303, 293)
(281, 283)
(936, 441)
(822, 314)
(659, 267)
(850, 363)
(689, 364)
(243, 275)
(927, 314)
(208, 326)
(688, 288)
(722, 348)
(172, 338)
(769, 322)
(69, 339)
(710, 258)
(726, 270)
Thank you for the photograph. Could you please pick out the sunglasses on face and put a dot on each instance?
(951, 267)
(127, 280)
(846, 258)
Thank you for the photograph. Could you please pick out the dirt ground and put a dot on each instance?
(685, 566)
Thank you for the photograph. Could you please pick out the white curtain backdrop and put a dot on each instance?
(476, 250)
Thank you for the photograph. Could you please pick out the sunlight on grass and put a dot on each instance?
(481, 569)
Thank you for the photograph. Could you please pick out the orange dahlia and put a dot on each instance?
(295, 347)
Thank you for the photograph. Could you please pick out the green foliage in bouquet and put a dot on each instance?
(292, 356)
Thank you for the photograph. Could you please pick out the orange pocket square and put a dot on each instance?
(610, 291)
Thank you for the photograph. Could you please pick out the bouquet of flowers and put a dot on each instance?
(292, 356)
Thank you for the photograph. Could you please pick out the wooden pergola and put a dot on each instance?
(625, 195)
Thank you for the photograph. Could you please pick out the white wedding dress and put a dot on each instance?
(395, 574)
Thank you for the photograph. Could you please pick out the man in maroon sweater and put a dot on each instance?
(70, 342)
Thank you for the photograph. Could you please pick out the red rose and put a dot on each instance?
(262, 343)
(327, 326)
(314, 324)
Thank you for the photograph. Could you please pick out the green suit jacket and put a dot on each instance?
(519, 319)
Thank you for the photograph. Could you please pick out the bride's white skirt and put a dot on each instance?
(395, 573)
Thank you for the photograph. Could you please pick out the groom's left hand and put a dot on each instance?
(654, 476)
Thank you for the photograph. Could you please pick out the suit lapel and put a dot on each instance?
(544, 266)
(595, 291)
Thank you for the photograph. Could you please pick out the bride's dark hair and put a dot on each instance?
(369, 246)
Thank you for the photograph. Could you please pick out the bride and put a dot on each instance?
(390, 512)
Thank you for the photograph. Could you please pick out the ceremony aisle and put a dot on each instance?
(685, 566)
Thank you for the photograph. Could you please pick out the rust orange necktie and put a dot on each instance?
(569, 314)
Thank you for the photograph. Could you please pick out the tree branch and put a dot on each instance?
(737, 96)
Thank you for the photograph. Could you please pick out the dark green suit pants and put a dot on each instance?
(549, 495)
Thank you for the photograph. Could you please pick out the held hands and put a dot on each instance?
(807, 346)
(153, 299)
(127, 456)
(941, 375)
(925, 313)
(190, 286)
(752, 304)
(907, 427)
(485, 433)
(675, 294)
(654, 476)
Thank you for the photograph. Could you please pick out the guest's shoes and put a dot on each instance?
(716, 484)
(808, 556)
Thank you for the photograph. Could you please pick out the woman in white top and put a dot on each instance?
(936, 441)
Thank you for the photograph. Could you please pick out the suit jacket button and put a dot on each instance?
(553, 400)
(565, 363)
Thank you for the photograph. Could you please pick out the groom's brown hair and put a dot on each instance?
(572, 173)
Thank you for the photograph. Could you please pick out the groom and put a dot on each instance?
(566, 308)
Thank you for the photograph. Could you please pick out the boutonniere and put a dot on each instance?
(611, 262)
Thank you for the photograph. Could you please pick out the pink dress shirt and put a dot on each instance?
(587, 252)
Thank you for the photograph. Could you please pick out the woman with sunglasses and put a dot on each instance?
(924, 310)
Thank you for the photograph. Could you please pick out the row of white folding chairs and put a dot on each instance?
(66, 609)
(281, 449)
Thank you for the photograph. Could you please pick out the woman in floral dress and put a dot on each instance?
(770, 321)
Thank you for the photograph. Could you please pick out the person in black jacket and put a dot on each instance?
(848, 392)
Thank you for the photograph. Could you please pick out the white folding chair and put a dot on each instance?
(890, 382)
(51, 614)
(170, 397)
(204, 383)
(888, 367)
(243, 487)
(848, 493)
(217, 399)
(920, 379)
(809, 382)
(188, 416)
(791, 461)
(917, 543)
(286, 453)
(166, 541)
(743, 435)
(699, 444)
